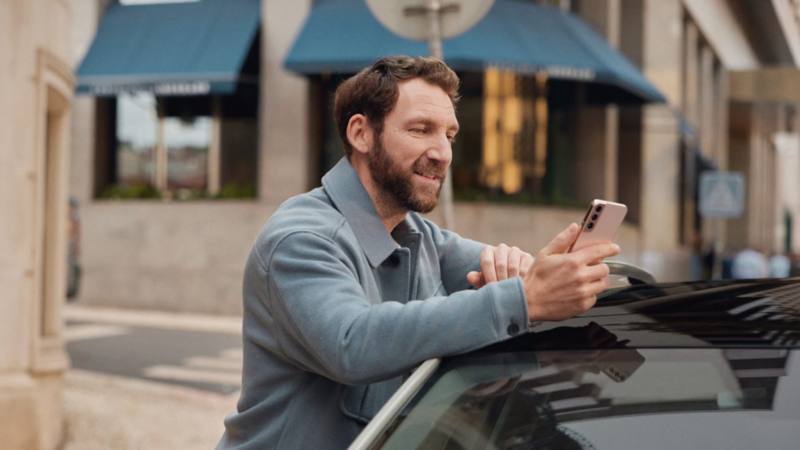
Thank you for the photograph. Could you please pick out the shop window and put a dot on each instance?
(180, 148)
(136, 137)
(514, 144)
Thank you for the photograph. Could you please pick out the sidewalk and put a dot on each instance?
(113, 412)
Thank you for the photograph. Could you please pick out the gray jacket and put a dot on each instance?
(336, 314)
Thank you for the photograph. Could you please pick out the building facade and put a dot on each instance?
(36, 89)
(168, 221)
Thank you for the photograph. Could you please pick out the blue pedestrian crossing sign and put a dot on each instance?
(721, 194)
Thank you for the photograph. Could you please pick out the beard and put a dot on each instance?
(398, 184)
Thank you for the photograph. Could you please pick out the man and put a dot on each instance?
(348, 289)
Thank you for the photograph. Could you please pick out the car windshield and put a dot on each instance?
(613, 398)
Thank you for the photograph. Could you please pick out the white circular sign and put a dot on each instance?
(408, 19)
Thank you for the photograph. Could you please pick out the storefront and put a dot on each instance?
(527, 71)
(197, 119)
(177, 108)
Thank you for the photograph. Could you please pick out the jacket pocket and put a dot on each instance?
(362, 402)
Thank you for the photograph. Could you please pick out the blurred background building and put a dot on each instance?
(179, 127)
(36, 88)
(196, 119)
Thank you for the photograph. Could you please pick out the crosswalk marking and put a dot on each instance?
(232, 353)
(153, 319)
(213, 363)
(226, 369)
(178, 373)
(80, 332)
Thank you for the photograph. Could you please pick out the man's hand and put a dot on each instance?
(558, 285)
(499, 263)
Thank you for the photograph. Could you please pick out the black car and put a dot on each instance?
(702, 365)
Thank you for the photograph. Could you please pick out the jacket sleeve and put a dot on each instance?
(457, 257)
(326, 325)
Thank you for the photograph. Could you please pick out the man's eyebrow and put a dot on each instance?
(420, 119)
(426, 121)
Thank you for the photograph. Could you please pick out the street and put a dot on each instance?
(155, 380)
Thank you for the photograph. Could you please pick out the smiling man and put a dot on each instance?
(347, 289)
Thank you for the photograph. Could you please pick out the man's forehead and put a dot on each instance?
(417, 96)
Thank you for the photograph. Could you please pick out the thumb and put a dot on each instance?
(561, 243)
(476, 279)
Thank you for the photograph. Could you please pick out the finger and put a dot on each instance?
(476, 279)
(501, 261)
(561, 243)
(596, 287)
(596, 253)
(488, 264)
(592, 273)
(525, 263)
(514, 262)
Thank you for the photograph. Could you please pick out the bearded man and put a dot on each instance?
(347, 289)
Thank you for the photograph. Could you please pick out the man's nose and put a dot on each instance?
(441, 150)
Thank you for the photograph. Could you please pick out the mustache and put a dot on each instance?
(427, 166)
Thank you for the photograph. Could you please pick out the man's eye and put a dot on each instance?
(417, 130)
(452, 139)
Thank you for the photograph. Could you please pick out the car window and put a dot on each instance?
(530, 400)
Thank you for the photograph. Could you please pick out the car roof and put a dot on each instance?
(761, 313)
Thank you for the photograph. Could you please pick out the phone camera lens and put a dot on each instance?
(598, 209)
(590, 226)
(594, 216)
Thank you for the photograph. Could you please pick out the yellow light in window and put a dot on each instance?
(491, 83)
(491, 154)
(491, 115)
(509, 87)
(512, 115)
(502, 122)
(512, 177)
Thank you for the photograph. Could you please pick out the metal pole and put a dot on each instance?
(433, 9)
(718, 250)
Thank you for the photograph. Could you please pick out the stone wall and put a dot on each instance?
(191, 256)
(36, 85)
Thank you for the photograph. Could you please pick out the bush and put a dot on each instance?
(134, 191)
(142, 191)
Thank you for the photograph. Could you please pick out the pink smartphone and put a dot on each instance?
(600, 225)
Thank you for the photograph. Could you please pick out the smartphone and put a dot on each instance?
(603, 219)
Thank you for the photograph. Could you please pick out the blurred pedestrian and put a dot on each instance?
(696, 258)
(750, 263)
(794, 271)
(727, 265)
(779, 265)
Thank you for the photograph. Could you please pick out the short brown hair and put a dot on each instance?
(373, 92)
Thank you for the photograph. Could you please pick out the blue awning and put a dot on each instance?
(188, 48)
(343, 36)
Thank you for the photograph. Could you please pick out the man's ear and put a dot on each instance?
(359, 133)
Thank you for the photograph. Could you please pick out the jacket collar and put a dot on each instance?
(352, 200)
